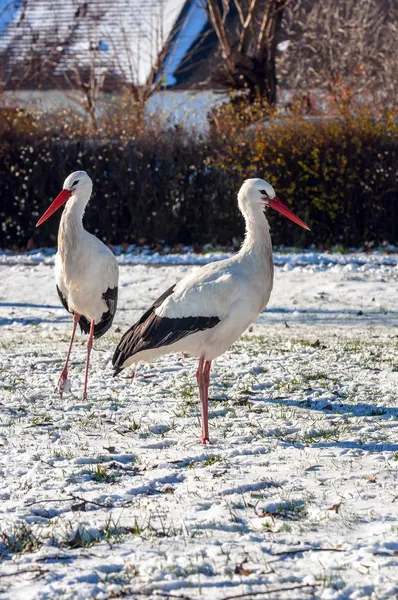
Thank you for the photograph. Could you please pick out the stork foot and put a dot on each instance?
(205, 439)
(61, 382)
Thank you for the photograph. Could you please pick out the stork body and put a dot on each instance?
(207, 311)
(86, 271)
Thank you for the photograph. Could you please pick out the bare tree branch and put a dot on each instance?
(347, 47)
(247, 27)
(249, 50)
(238, 6)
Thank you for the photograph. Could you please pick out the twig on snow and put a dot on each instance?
(91, 502)
(274, 591)
(300, 550)
(171, 596)
(54, 557)
(69, 499)
(49, 500)
(301, 586)
(153, 593)
(36, 572)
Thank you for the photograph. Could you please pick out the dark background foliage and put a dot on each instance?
(173, 186)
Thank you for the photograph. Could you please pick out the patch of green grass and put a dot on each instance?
(291, 509)
(324, 435)
(329, 580)
(59, 453)
(111, 532)
(352, 346)
(135, 528)
(185, 408)
(188, 391)
(314, 376)
(291, 385)
(304, 342)
(41, 420)
(211, 460)
(100, 473)
(20, 540)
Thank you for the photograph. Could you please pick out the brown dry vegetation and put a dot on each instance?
(169, 185)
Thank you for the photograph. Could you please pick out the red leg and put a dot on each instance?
(89, 346)
(203, 378)
(64, 373)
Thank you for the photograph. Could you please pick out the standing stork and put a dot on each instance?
(86, 271)
(206, 312)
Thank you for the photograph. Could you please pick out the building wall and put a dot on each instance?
(183, 107)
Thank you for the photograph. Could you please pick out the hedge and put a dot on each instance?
(174, 186)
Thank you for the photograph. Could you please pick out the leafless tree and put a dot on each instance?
(87, 76)
(248, 47)
(126, 60)
(139, 58)
(348, 47)
(92, 50)
(89, 82)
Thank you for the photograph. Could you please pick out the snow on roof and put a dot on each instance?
(121, 37)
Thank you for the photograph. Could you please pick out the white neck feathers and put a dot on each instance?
(71, 228)
(257, 236)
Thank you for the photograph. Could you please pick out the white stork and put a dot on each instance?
(86, 271)
(205, 312)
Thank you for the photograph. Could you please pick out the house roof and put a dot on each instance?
(43, 42)
(315, 40)
(193, 53)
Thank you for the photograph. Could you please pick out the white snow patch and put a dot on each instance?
(114, 496)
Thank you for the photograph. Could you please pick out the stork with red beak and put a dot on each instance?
(86, 271)
(206, 312)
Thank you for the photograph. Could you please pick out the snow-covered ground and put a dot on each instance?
(289, 258)
(115, 497)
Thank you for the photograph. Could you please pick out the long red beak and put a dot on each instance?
(276, 204)
(58, 202)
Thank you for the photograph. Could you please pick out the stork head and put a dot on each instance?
(77, 185)
(256, 195)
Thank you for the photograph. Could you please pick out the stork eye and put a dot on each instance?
(75, 182)
(264, 193)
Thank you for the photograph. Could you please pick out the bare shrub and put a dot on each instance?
(348, 48)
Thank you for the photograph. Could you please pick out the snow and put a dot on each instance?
(287, 257)
(185, 107)
(125, 36)
(115, 497)
(283, 46)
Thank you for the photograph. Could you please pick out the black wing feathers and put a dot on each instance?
(110, 297)
(63, 299)
(152, 331)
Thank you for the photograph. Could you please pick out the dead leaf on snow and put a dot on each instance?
(371, 478)
(335, 507)
(241, 570)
